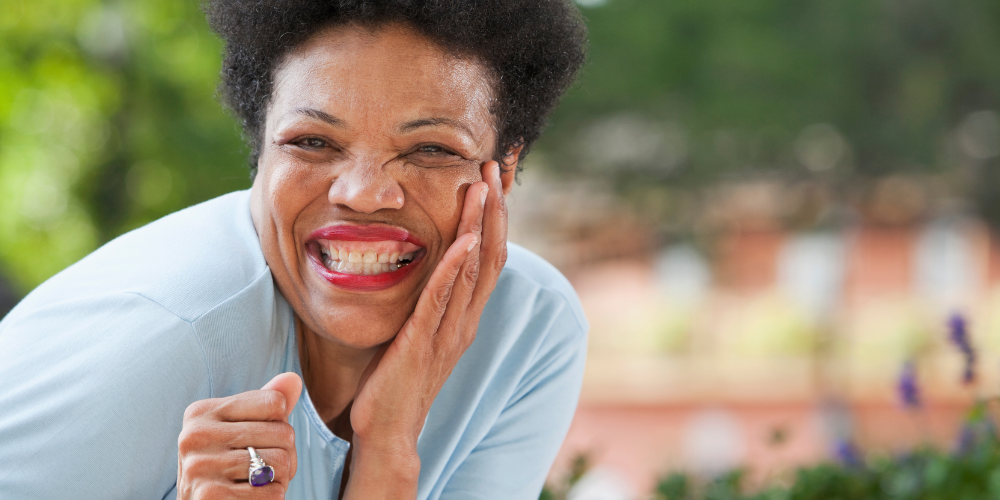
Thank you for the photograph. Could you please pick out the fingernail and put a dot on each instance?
(496, 173)
(472, 244)
(482, 195)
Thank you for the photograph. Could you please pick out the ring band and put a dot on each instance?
(261, 474)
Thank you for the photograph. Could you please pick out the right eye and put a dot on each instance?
(312, 143)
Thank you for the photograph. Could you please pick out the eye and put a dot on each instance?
(434, 149)
(312, 143)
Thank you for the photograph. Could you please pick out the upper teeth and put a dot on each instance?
(367, 263)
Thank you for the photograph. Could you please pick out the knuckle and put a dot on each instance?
(501, 259)
(274, 403)
(277, 492)
(198, 408)
(441, 297)
(283, 461)
(198, 465)
(287, 434)
(469, 337)
(471, 274)
(191, 439)
(214, 490)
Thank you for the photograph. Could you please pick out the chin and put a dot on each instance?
(364, 326)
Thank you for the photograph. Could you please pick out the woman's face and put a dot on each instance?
(370, 142)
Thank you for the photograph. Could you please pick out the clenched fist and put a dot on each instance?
(213, 461)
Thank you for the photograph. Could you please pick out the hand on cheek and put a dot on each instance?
(401, 382)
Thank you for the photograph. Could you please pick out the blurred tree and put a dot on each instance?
(107, 121)
(680, 92)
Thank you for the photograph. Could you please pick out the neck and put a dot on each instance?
(331, 371)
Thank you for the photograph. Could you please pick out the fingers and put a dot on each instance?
(493, 249)
(468, 276)
(235, 464)
(472, 209)
(225, 435)
(212, 448)
(289, 385)
(262, 406)
(434, 299)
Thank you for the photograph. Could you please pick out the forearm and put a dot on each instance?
(382, 473)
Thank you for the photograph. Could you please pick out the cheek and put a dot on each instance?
(290, 188)
(441, 194)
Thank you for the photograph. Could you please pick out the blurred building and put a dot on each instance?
(772, 327)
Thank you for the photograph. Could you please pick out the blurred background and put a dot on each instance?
(770, 208)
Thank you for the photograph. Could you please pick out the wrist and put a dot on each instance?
(401, 458)
(382, 470)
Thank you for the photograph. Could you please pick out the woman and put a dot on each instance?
(368, 258)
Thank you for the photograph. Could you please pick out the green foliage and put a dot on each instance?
(577, 469)
(972, 472)
(969, 472)
(923, 475)
(107, 121)
(729, 88)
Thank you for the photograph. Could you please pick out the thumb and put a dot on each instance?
(289, 385)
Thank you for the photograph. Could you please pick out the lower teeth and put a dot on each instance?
(337, 266)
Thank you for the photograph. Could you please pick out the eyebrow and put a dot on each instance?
(431, 122)
(406, 127)
(322, 116)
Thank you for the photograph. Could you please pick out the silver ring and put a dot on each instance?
(261, 474)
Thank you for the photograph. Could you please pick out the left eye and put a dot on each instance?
(430, 148)
(312, 143)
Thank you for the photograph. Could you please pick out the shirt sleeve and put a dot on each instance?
(92, 397)
(514, 458)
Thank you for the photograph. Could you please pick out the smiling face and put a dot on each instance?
(370, 142)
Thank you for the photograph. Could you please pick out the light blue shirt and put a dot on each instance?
(98, 364)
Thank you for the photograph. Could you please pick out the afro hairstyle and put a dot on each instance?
(531, 50)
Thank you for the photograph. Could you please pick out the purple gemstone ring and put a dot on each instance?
(261, 474)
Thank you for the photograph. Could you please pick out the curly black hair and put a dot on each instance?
(531, 48)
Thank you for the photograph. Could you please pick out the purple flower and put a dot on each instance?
(847, 453)
(959, 335)
(909, 391)
(958, 332)
(967, 440)
(977, 430)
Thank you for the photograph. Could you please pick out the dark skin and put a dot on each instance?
(366, 128)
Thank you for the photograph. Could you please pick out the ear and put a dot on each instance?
(508, 168)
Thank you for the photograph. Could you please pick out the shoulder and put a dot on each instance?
(528, 283)
(199, 270)
(532, 319)
(108, 376)
(187, 262)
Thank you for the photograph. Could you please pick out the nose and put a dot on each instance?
(366, 187)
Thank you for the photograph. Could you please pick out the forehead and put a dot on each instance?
(390, 72)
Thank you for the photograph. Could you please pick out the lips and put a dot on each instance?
(364, 257)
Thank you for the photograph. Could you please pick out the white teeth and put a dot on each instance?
(362, 262)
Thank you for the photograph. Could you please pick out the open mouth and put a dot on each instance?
(366, 258)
